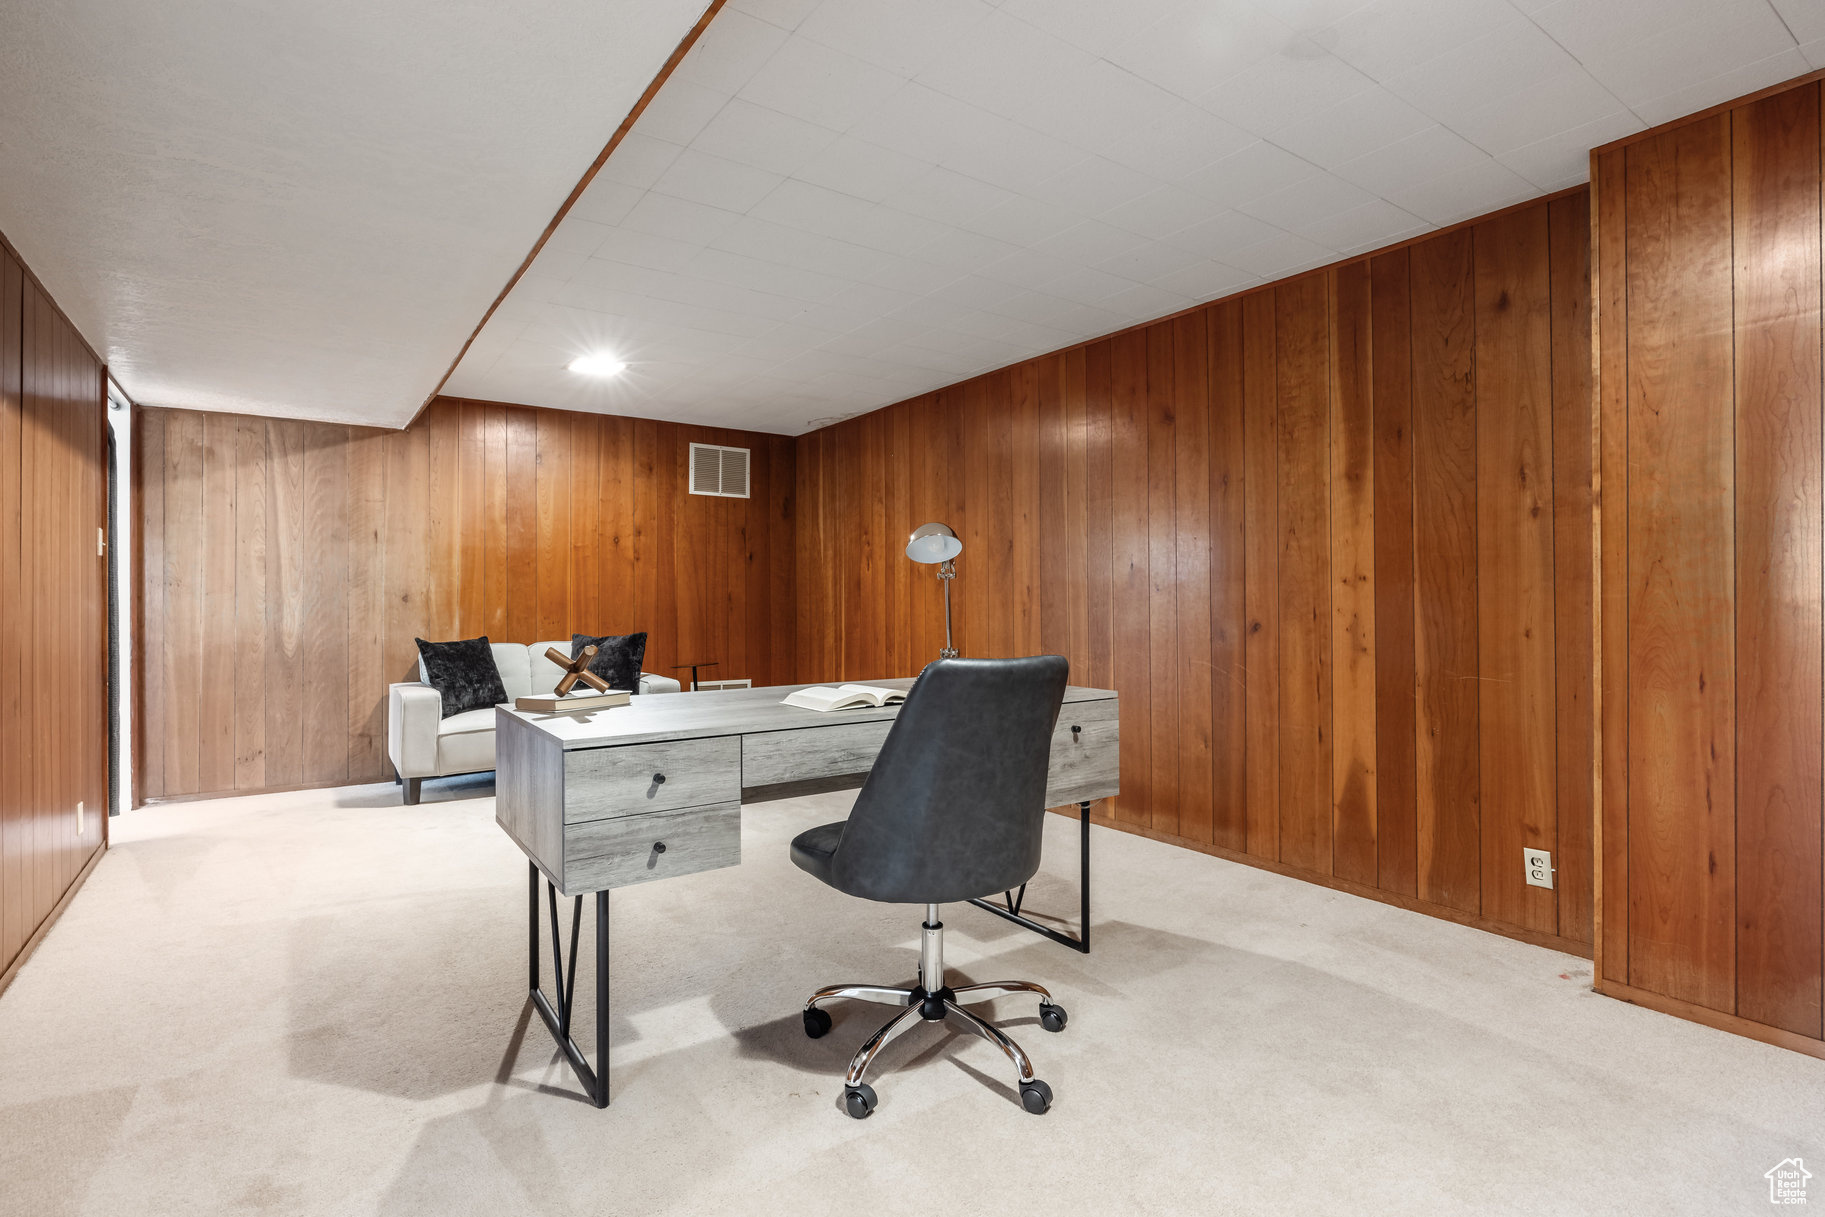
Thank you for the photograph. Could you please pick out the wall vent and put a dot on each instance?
(722, 472)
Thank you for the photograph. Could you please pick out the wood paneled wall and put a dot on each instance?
(53, 610)
(1708, 248)
(1331, 541)
(288, 566)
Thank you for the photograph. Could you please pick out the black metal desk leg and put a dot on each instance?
(595, 1081)
(1012, 912)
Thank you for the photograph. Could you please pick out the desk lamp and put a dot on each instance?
(936, 543)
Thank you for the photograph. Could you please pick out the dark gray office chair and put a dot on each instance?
(953, 809)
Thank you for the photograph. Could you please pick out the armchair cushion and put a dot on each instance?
(463, 673)
(618, 657)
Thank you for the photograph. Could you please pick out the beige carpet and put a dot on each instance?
(312, 1003)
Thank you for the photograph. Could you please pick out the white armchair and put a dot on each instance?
(422, 743)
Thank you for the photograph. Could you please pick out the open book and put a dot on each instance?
(843, 697)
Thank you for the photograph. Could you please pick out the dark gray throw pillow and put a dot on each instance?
(463, 673)
(618, 657)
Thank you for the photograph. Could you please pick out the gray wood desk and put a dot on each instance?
(655, 789)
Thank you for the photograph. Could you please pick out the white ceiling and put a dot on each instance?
(302, 208)
(835, 205)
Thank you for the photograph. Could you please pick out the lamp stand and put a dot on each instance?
(947, 570)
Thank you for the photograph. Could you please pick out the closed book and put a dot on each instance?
(575, 703)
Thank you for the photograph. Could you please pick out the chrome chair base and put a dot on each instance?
(932, 1001)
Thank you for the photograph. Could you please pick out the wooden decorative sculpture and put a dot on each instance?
(575, 670)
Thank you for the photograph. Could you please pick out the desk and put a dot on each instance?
(655, 789)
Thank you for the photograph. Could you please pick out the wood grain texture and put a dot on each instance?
(1681, 555)
(1132, 666)
(1191, 586)
(341, 545)
(1170, 757)
(1259, 521)
(1780, 571)
(1226, 456)
(1445, 571)
(1396, 679)
(1610, 301)
(1574, 604)
(1261, 571)
(53, 624)
(1514, 519)
(1302, 324)
(17, 851)
(1352, 480)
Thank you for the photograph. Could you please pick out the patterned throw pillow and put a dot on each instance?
(463, 673)
(618, 657)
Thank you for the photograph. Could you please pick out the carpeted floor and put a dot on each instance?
(313, 1004)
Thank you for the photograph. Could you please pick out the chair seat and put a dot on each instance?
(813, 849)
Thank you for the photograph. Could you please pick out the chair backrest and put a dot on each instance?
(955, 805)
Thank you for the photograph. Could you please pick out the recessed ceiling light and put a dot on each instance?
(598, 364)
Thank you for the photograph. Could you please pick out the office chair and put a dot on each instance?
(953, 809)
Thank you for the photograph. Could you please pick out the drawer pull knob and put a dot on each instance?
(658, 779)
(1076, 730)
(658, 847)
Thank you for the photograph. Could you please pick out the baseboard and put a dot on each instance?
(44, 927)
(1570, 946)
(203, 795)
(1736, 1024)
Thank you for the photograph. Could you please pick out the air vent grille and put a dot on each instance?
(722, 472)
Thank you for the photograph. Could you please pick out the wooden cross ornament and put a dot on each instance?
(576, 669)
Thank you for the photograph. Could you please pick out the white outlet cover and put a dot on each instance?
(1538, 864)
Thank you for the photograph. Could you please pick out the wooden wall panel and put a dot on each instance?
(1226, 454)
(249, 600)
(1352, 480)
(1302, 346)
(53, 624)
(1711, 401)
(1681, 486)
(1780, 730)
(1610, 298)
(315, 554)
(1573, 598)
(1261, 572)
(1396, 677)
(1515, 619)
(1132, 668)
(17, 850)
(1446, 571)
(1191, 586)
(1161, 506)
(282, 692)
(1309, 533)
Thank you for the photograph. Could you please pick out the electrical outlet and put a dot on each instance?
(1539, 867)
(79, 819)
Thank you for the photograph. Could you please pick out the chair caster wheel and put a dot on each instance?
(860, 1100)
(1035, 1096)
(817, 1022)
(1052, 1018)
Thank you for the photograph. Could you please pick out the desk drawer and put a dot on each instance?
(808, 753)
(636, 779)
(1086, 764)
(627, 850)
